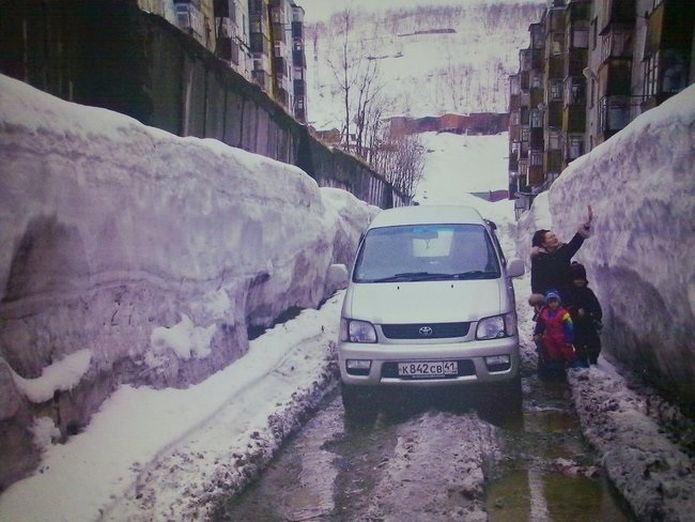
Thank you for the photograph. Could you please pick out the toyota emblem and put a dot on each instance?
(425, 331)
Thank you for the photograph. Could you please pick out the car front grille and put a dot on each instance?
(425, 330)
(465, 367)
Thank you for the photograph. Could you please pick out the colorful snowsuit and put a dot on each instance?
(557, 335)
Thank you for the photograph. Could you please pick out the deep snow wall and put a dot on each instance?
(641, 184)
(133, 256)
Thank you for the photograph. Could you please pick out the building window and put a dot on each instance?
(594, 33)
(651, 75)
(575, 91)
(537, 80)
(525, 134)
(515, 117)
(536, 159)
(575, 146)
(553, 140)
(675, 75)
(556, 90)
(556, 44)
(536, 118)
(580, 38)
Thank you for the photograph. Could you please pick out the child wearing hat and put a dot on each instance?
(586, 313)
(555, 332)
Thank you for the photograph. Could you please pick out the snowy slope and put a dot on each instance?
(422, 73)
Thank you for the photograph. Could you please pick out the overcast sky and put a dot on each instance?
(321, 9)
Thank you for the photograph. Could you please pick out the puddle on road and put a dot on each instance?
(549, 474)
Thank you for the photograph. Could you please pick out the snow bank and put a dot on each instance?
(639, 262)
(63, 375)
(153, 252)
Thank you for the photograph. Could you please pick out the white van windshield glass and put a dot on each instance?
(426, 253)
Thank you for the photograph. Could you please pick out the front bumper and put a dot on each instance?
(470, 356)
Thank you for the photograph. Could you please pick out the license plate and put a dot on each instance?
(420, 369)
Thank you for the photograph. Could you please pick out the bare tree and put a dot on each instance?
(401, 159)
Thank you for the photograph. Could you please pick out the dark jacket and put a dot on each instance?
(584, 297)
(552, 270)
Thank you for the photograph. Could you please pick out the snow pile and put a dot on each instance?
(639, 261)
(459, 163)
(170, 454)
(63, 375)
(653, 474)
(154, 253)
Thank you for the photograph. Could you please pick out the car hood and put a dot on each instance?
(426, 301)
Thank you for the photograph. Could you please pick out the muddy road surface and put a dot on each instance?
(436, 455)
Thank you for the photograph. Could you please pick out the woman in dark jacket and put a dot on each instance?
(550, 259)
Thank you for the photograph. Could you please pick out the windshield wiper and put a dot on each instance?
(475, 274)
(413, 276)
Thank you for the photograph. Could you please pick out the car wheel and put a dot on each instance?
(358, 401)
(510, 393)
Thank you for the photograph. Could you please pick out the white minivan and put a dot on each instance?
(430, 302)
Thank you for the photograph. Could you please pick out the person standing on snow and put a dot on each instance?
(554, 333)
(550, 259)
(586, 313)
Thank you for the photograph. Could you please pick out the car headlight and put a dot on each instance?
(496, 327)
(355, 331)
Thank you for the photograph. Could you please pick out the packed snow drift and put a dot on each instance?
(135, 256)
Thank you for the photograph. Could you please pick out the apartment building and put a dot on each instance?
(299, 63)
(232, 32)
(196, 18)
(261, 44)
(263, 40)
(602, 63)
(282, 68)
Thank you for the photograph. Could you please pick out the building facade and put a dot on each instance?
(591, 67)
(262, 40)
(232, 32)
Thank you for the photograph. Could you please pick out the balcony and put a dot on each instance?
(615, 113)
(298, 59)
(614, 77)
(280, 67)
(616, 44)
(261, 78)
(617, 12)
(299, 87)
(575, 91)
(574, 119)
(577, 60)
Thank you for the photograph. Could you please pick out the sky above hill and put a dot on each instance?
(321, 9)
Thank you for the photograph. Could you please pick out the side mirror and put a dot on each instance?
(515, 267)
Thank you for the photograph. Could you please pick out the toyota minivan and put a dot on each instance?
(430, 302)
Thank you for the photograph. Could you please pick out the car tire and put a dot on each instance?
(510, 393)
(358, 401)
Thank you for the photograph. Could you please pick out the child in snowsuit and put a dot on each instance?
(555, 332)
(586, 315)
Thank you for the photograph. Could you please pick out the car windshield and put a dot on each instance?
(426, 253)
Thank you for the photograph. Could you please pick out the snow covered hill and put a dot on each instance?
(432, 59)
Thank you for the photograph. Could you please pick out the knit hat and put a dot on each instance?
(552, 294)
(578, 271)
